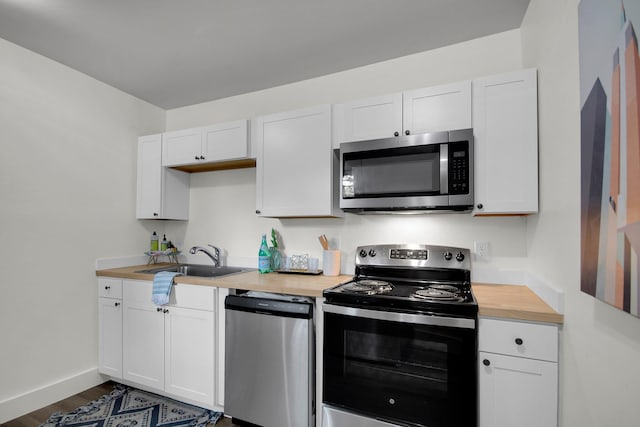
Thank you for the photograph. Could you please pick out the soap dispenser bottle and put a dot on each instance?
(154, 241)
(164, 243)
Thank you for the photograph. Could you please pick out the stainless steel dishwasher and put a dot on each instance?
(269, 360)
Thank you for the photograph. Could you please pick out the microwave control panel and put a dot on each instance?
(459, 167)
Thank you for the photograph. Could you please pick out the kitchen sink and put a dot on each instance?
(198, 270)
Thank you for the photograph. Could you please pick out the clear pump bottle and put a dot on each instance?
(154, 241)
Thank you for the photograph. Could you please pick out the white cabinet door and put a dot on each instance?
(182, 147)
(110, 337)
(171, 348)
(143, 337)
(516, 391)
(162, 193)
(372, 118)
(438, 108)
(149, 195)
(295, 175)
(226, 141)
(189, 354)
(505, 124)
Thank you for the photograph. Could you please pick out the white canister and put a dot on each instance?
(331, 262)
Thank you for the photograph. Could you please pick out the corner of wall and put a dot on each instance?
(32, 400)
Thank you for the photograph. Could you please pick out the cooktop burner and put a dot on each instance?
(414, 278)
(440, 293)
(368, 287)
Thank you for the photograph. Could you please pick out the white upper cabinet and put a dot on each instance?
(209, 144)
(182, 147)
(371, 118)
(162, 193)
(438, 108)
(505, 125)
(226, 141)
(295, 164)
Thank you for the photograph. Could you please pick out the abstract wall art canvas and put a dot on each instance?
(610, 152)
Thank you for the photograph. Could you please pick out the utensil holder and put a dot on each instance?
(331, 262)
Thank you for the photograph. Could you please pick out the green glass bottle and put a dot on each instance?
(264, 256)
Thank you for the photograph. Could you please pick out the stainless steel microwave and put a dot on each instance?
(432, 171)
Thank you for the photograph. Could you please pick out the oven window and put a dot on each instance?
(400, 372)
(398, 172)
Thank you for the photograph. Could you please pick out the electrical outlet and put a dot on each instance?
(481, 250)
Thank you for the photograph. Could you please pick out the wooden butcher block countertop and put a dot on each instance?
(503, 301)
(513, 302)
(291, 284)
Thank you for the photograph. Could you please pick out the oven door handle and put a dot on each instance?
(394, 316)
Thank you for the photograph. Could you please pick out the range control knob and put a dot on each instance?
(459, 257)
(448, 255)
(363, 253)
(372, 253)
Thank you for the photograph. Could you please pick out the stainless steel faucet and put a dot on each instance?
(215, 256)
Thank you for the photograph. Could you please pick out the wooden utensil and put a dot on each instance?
(324, 242)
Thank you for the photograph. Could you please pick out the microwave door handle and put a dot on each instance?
(444, 168)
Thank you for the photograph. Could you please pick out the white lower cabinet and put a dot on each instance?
(143, 340)
(189, 354)
(110, 324)
(517, 374)
(171, 349)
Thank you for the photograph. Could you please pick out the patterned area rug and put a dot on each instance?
(130, 407)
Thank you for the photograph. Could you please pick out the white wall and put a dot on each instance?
(600, 345)
(67, 197)
(223, 203)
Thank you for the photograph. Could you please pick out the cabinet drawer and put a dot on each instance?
(187, 296)
(137, 291)
(529, 340)
(109, 288)
(193, 296)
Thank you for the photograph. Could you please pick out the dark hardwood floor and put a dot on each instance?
(41, 415)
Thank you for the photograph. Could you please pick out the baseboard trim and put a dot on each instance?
(45, 395)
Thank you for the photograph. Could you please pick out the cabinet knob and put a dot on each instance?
(479, 206)
(486, 362)
(407, 132)
(159, 309)
(106, 288)
(257, 211)
(155, 214)
(165, 311)
(519, 341)
(201, 157)
(396, 133)
(197, 157)
(117, 304)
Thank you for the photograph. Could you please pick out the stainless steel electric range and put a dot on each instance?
(400, 340)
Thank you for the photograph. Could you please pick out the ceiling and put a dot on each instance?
(173, 53)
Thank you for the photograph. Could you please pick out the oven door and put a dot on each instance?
(408, 369)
